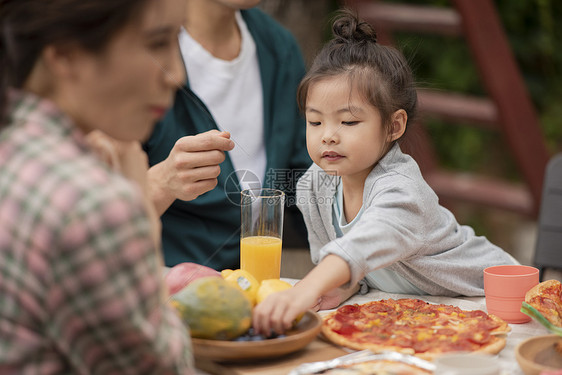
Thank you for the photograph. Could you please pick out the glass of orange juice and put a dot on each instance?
(261, 232)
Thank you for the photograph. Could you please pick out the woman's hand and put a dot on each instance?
(191, 168)
(128, 158)
(105, 147)
(131, 161)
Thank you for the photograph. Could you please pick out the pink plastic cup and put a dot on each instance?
(505, 288)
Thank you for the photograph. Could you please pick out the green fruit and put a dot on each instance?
(213, 309)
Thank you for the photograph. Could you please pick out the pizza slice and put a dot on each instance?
(546, 298)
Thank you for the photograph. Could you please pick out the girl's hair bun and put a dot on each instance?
(348, 28)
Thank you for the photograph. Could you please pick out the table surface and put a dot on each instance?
(321, 350)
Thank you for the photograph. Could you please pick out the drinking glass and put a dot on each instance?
(261, 232)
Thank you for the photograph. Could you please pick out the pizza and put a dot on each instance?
(378, 367)
(416, 327)
(546, 298)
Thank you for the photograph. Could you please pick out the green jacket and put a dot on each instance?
(207, 229)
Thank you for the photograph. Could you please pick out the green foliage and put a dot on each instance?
(534, 36)
(445, 63)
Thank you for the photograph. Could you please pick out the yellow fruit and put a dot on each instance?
(226, 272)
(213, 308)
(246, 282)
(270, 286)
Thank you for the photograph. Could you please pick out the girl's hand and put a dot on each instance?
(278, 311)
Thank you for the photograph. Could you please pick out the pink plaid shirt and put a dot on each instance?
(80, 280)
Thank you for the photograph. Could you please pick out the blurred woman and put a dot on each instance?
(80, 284)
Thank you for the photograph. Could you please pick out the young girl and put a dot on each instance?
(371, 217)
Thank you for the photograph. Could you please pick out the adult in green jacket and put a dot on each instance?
(206, 230)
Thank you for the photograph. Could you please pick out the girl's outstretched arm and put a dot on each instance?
(279, 310)
(335, 297)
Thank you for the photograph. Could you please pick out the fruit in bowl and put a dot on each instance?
(270, 286)
(243, 280)
(213, 309)
(182, 274)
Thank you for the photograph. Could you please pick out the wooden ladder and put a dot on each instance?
(507, 108)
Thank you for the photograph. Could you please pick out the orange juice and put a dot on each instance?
(261, 256)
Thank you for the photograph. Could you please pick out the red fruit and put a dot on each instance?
(183, 274)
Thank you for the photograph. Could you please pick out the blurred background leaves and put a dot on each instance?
(445, 63)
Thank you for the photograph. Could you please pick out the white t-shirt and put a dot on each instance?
(232, 91)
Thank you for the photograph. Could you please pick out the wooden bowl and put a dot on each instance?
(234, 351)
(537, 354)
